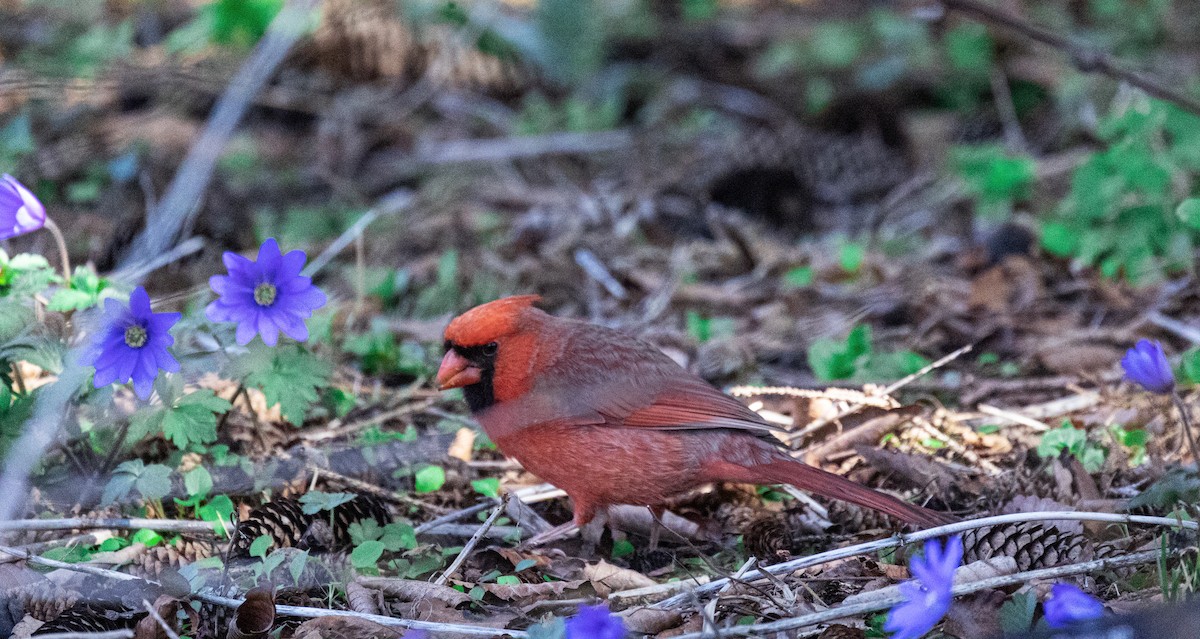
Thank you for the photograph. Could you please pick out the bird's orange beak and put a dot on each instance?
(456, 372)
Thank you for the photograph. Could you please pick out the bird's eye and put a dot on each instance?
(490, 348)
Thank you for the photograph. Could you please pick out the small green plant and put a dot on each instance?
(995, 177)
(703, 328)
(1123, 214)
(855, 358)
(1076, 443)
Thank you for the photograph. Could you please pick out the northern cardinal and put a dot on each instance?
(612, 420)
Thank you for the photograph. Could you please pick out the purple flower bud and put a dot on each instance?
(1146, 365)
(20, 210)
(1068, 604)
(928, 597)
(265, 297)
(133, 344)
(595, 622)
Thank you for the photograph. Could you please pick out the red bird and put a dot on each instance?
(612, 420)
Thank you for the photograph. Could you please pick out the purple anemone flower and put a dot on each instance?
(267, 296)
(20, 210)
(1068, 604)
(1146, 365)
(926, 598)
(133, 344)
(595, 622)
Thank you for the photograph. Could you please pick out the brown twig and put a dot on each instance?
(1086, 58)
(469, 546)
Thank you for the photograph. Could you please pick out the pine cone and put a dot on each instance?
(454, 63)
(768, 539)
(1030, 544)
(86, 617)
(285, 522)
(850, 519)
(43, 600)
(838, 631)
(282, 520)
(361, 508)
(734, 518)
(171, 556)
(363, 41)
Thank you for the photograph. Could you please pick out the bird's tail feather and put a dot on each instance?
(826, 484)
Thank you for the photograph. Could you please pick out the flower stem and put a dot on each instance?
(62, 249)
(1185, 415)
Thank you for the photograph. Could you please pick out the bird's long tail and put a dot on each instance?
(784, 470)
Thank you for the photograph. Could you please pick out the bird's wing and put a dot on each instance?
(688, 403)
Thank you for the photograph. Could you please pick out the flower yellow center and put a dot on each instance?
(135, 336)
(264, 294)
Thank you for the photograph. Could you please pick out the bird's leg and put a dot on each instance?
(592, 531)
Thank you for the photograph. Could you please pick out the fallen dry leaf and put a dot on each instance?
(607, 578)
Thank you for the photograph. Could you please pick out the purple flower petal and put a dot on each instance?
(927, 598)
(295, 297)
(1068, 604)
(1146, 365)
(595, 622)
(118, 361)
(20, 210)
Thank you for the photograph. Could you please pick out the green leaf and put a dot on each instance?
(296, 566)
(149, 538)
(508, 580)
(314, 501)
(429, 479)
(1016, 614)
(217, 511)
(198, 481)
(193, 418)
(851, 256)
(836, 44)
(799, 277)
(831, 359)
(287, 376)
(154, 482)
(1188, 212)
(258, 547)
(525, 564)
(82, 292)
(366, 554)
(118, 487)
(399, 536)
(969, 47)
(488, 486)
(66, 299)
(1059, 239)
(622, 548)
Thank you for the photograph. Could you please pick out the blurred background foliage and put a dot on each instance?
(100, 99)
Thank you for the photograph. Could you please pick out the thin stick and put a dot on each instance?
(394, 203)
(911, 538)
(294, 611)
(1086, 58)
(161, 622)
(124, 633)
(884, 603)
(87, 523)
(458, 514)
(470, 545)
(57, 234)
(1187, 424)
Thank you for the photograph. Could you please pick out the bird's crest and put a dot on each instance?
(489, 322)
